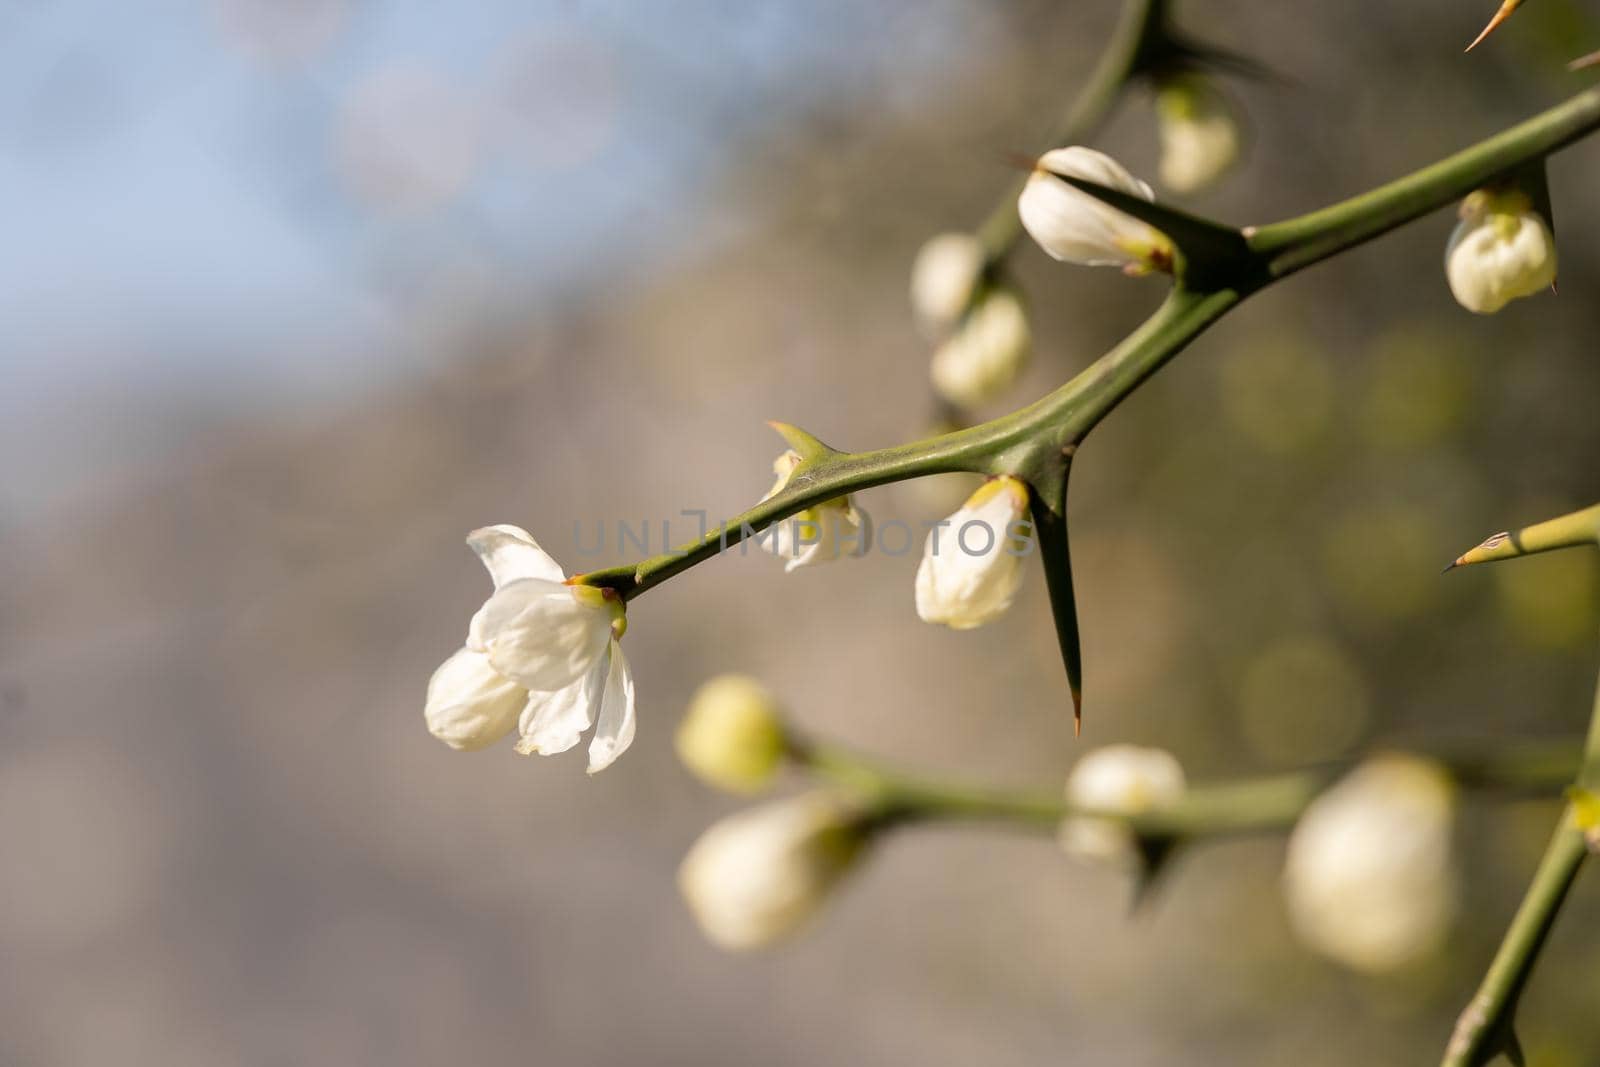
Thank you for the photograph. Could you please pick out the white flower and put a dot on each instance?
(971, 564)
(757, 875)
(945, 278)
(541, 655)
(1369, 877)
(819, 534)
(1500, 250)
(1198, 132)
(1071, 225)
(1119, 779)
(732, 735)
(981, 359)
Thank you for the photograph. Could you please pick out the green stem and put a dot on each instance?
(1029, 442)
(1485, 1028)
(1262, 804)
(1299, 242)
(1589, 773)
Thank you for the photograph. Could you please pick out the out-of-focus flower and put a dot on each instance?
(971, 564)
(541, 654)
(1119, 779)
(1500, 250)
(1199, 133)
(982, 358)
(756, 876)
(1071, 225)
(945, 278)
(732, 735)
(1370, 878)
(819, 534)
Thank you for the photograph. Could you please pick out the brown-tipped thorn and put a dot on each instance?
(1077, 714)
(1452, 566)
(1494, 23)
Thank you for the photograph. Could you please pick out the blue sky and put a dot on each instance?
(175, 222)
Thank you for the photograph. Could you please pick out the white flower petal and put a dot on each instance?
(1071, 225)
(983, 357)
(947, 271)
(511, 554)
(967, 580)
(469, 704)
(757, 875)
(819, 534)
(555, 721)
(613, 732)
(1370, 874)
(539, 634)
(1497, 256)
(1127, 779)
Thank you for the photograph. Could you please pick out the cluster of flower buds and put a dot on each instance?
(979, 321)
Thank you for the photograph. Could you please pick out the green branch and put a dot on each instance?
(1267, 803)
(1299, 242)
(1486, 1028)
(1030, 442)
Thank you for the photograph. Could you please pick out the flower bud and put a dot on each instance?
(982, 358)
(1120, 779)
(1198, 132)
(1369, 876)
(732, 735)
(819, 534)
(758, 875)
(1500, 250)
(945, 278)
(1071, 225)
(971, 564)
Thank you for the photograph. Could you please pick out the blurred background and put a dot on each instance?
(294, 293)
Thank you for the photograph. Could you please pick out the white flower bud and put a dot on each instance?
(1500, 250)
(732, 735)
(819, 534)
(1120, 779)
(983, 357)
(971, 564)
(756, 876)
(1369, 877)
(1073, 226)
(1198, 132)
(945, 278)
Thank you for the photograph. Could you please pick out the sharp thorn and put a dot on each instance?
(1494, 23)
